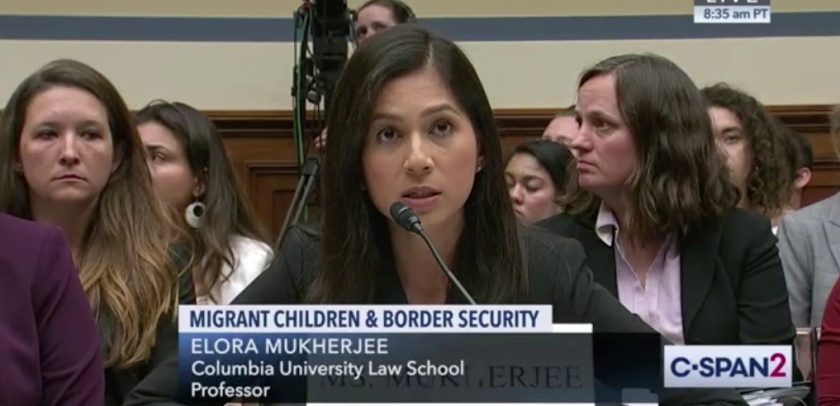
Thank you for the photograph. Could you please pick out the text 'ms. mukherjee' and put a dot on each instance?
(231, 351)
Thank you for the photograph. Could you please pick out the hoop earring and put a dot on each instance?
(194, 213)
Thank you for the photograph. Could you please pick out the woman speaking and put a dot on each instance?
(413, 125)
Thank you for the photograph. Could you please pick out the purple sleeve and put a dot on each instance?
(72, 370)
(828, 355)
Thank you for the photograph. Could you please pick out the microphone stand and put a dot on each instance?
(406, 218)
(444, 268)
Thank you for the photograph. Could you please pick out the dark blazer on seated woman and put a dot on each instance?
(732, 287)
(557, 275)
(120, 382)
(49, 341)
(828, 356)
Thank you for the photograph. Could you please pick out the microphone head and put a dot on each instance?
(405, 217)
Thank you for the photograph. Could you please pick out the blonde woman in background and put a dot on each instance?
(71, 157)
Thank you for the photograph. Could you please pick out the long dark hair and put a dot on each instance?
(770, 181)
(228, 209)
(553, 157)
(681, 179)
(355, 244)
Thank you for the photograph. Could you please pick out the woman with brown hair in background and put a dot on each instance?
(70, 156)
(653, 206)
(191, 171)
(756, 146)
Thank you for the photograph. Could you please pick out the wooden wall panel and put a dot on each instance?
(824, 182)
(261, 147)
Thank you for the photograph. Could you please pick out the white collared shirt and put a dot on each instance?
(251, 258)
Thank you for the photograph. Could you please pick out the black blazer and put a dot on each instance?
(733, 286)
(557, 276)
(120, 382)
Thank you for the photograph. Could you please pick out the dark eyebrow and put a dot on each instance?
(530, 178)
(85, 123)
(602, 115)
(732, 129)
(51, 124)
(156, 148)
(525, 178)
(440, 108)
(91, 123)
(427, 112)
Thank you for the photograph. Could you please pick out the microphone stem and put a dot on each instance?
(445, 268)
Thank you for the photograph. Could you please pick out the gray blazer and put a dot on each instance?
(809, 244)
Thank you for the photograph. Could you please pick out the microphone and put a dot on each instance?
(407, 219)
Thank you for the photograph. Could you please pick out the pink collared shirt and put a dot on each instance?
(658, 302)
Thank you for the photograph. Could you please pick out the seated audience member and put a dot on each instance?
(802, 159)
(191, 171)
(562, 128)
(536, 176)
(372, 17)
(809, 250)
(414, 125)
(72, 158)
(49, 342)
(755, 145)
(653, 206)
(378, 15)
(828, 355)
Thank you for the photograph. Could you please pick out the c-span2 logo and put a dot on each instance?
(728, 366)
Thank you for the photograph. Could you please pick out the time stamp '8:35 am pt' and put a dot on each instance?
(732, 15)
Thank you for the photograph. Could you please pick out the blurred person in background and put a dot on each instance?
(655, 210)
(536, 177)
(801, 156)
(756, 147)
(192, 173)
(378, 15)
(49, 341)
(372, 17)
(71, 157)
(809, 244)
(562, 128)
